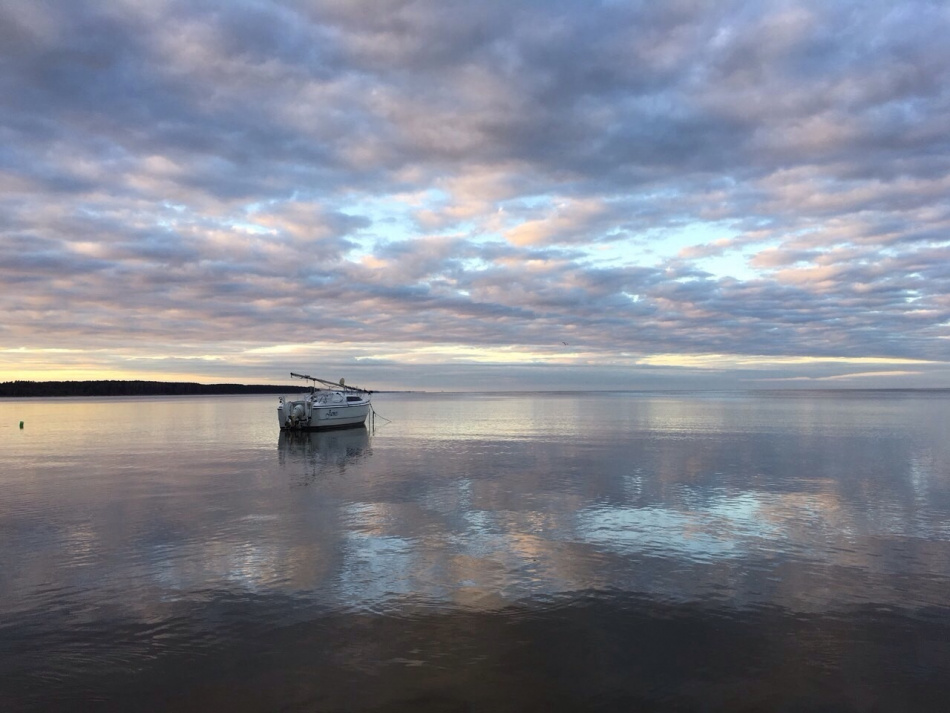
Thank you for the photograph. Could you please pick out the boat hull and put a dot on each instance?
(309, 415)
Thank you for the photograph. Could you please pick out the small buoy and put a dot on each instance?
(21, 424)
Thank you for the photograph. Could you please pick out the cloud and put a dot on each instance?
(640, 178)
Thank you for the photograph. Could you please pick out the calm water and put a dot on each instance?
(687, 552)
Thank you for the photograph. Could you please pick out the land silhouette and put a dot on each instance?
(15, 389)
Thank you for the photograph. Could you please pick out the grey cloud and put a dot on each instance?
(140, 141)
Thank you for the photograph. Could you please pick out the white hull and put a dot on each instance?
(321, 411)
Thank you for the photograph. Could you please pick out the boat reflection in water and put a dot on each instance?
(319, 453)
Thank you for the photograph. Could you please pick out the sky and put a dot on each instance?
(548, 194)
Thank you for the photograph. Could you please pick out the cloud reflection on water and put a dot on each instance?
(768, 542)
(684, 500)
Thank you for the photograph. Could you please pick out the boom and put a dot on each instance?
(342, 385)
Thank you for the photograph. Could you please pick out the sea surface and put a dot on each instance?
(785, 551)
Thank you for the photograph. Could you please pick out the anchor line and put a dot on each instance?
(372, 410)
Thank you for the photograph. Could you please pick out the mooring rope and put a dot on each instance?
(372, 410)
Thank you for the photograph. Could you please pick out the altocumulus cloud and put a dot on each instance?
(696, 193)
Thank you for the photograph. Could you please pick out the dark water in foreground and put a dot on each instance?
(553, 552)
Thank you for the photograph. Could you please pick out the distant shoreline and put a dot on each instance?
(60, 389)
(26, 389)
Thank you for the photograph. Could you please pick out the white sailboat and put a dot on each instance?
(334, 405)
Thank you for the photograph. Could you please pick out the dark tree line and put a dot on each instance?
(135, 388)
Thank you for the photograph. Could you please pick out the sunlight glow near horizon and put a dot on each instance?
(129, 366)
